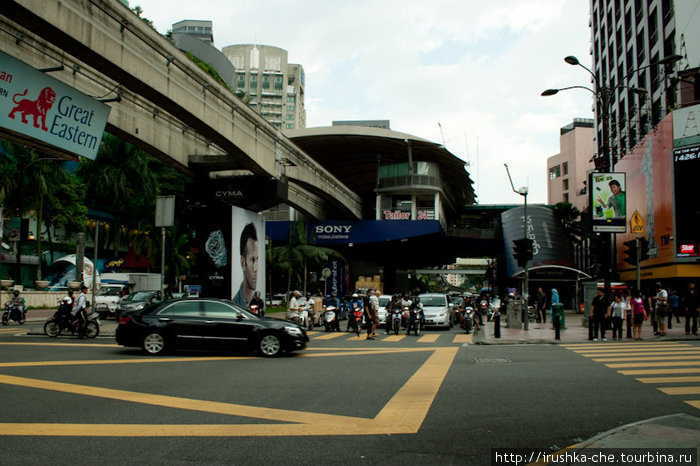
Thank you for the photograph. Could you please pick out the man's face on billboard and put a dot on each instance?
(249, 264)
(615, 189)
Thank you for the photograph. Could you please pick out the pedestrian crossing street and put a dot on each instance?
(443, 337)
(672, 367)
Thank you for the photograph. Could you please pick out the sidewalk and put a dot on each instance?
(575, 332)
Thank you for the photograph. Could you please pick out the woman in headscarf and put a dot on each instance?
(554, 300)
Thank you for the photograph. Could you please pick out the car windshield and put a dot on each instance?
(139, 296)
(433, 300)
(108, 291)
(384, 301)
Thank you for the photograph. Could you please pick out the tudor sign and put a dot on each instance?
(43, 108)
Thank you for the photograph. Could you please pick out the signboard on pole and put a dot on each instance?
(637, 223)
(608, 200)
(45, 109)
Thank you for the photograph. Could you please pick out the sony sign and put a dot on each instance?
(333, 232)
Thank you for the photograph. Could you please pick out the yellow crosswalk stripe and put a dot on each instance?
(664, 360)
(693, 378)
(680, 390)
(462, 338)
(429, 338)
(394, 338)
(330, 336)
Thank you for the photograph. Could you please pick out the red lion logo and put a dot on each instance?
(37, 108)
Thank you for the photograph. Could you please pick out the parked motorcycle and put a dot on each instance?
(64, 321)
(12, 312)
(330, 319)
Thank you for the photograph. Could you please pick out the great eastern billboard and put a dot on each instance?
(43, 108)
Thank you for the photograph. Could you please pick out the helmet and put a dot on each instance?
(468, 295)
(354, 295)
(66, 300)
(416, 300)
(15, 292)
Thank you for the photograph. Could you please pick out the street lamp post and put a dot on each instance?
(523, 192)
(605, 159)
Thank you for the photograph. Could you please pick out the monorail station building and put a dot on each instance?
(413, 193)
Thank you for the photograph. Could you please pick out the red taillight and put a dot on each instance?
(124, 320)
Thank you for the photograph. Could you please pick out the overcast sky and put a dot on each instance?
(475, 67)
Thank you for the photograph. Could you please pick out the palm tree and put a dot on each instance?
(298, 254)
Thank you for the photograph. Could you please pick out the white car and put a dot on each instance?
(436, 309)
(381, 312)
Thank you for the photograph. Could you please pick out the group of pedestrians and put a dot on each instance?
(658, 306)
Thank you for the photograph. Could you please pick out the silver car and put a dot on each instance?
(436, 309)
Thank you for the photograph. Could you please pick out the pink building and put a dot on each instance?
(568, 170)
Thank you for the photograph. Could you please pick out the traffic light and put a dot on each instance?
(643, 249)
(631, 252)
(522, 251)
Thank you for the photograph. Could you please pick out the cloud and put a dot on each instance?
(476, 67)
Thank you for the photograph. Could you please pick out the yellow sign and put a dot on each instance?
(637, 223)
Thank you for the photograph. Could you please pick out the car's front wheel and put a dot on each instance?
(154, 343)
(270, 345)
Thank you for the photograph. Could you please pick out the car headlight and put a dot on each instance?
(138, 307)
(293, 330)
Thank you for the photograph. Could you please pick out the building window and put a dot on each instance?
(290, 108)
(253, 82)
(555, 172)
(566, 197)
(290, 125)
(565, 184)
(290, 117)
(565, 168)
(240, 82)
(290, 98)
(266, 82)
(278, 82)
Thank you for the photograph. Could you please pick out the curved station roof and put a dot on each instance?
(353, 153)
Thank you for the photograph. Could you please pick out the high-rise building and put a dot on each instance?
(568, 170)
(629, 38)
(203, 30)
(272, 86)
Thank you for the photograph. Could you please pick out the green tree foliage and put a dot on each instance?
(295, 257)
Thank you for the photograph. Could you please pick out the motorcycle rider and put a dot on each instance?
(257, 300)
(293, 305)
(416, 314)
(395, 303)
(80, 308)
(333, 301)
(18, 302)
(355, 303)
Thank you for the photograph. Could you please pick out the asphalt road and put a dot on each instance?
(342, 401)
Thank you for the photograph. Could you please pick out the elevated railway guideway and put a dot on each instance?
(160, 100)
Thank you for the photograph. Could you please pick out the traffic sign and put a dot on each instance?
(636, 223)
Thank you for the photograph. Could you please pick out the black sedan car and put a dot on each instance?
(207, 323)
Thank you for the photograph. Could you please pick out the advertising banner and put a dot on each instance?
(214, 245)
(357, 232)
(686, 168)
(247, 255)
(551, 252)
(45, 109)
(609, 201)
(336, 281)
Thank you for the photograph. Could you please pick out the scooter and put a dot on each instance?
(396, 315)
(356, 320)
(468, 319)
(330, 319)
(12, 312)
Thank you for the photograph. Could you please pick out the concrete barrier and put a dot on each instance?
(35, 298)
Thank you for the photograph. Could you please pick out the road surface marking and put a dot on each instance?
(394, 337)
(657, 358)
(429, 338)
(463, 338)
(330, 336)
(692, 378)
(404, 413)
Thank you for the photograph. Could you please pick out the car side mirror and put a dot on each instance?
(239, 317)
